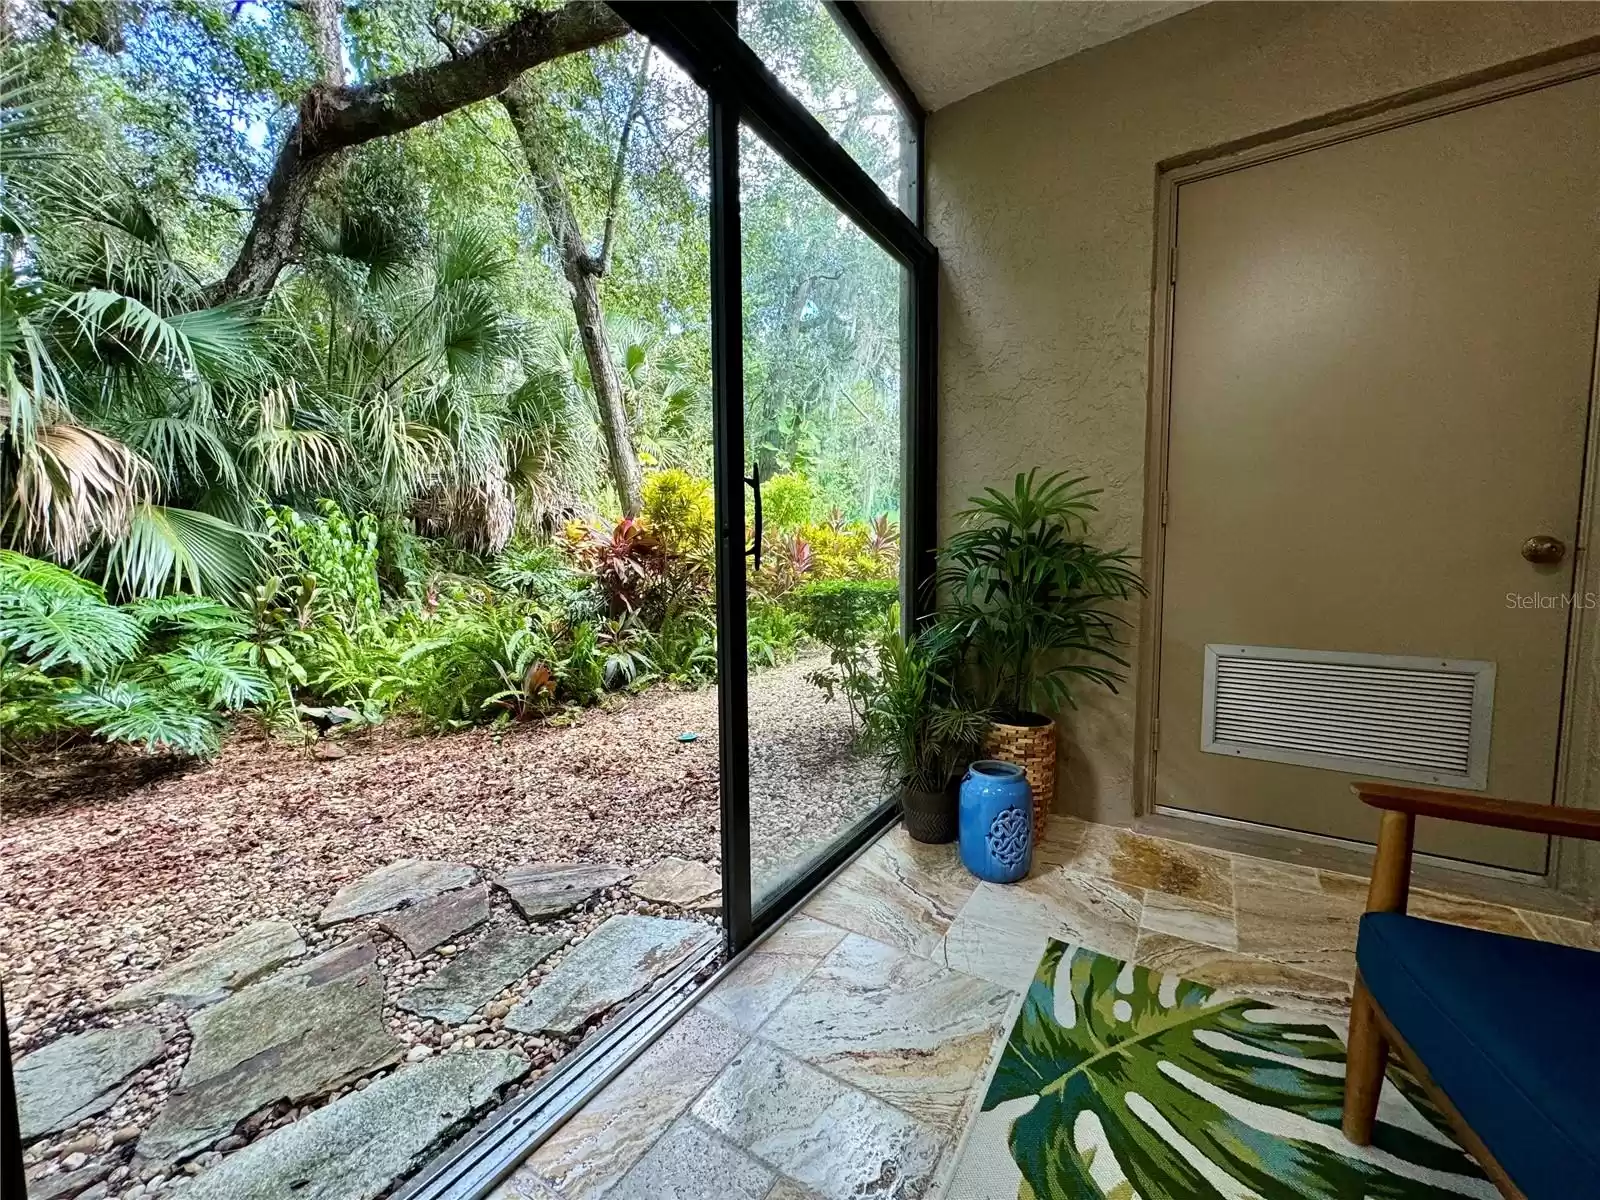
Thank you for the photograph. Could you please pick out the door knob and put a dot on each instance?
(1542, 548)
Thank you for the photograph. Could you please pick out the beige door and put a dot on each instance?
(1381, 367)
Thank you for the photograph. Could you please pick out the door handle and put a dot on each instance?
(1544, 549)
(754, 480)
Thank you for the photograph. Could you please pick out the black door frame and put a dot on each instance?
(703, 39)
(701, 36)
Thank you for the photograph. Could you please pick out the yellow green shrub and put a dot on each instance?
(678, 512)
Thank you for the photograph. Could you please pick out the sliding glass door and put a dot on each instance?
(822, 297)
(822, 430)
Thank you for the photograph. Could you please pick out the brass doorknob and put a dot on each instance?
(1542, 548)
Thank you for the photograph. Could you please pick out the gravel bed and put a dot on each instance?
(112, 865)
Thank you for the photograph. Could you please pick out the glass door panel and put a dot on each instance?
(822, 432)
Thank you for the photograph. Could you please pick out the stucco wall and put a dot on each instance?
(1041, 201)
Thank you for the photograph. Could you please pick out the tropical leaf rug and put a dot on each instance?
(1124, 1083)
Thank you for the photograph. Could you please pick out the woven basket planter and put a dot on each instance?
(930, 816)
(1033, 748)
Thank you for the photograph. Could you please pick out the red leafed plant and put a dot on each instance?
(626, 563)
(883, 538)
(791, 562)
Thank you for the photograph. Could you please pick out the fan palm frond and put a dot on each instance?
(69, 487)
(171, 548)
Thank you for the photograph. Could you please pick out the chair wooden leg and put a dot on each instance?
(1363, 1074)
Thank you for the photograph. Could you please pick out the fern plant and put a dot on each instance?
(157, 673)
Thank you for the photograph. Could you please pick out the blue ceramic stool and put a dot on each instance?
(996, 821)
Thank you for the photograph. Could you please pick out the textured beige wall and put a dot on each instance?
(1041, 201)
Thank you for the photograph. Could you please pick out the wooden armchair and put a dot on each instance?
(1500, 1030)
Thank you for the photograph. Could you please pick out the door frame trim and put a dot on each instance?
(1569, 869)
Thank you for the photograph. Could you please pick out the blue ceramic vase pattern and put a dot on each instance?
(996, 821)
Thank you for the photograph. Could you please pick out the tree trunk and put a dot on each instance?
(335, 117)
(583, 275)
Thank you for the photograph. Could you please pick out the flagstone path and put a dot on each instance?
(133, 901)
(326, 1046)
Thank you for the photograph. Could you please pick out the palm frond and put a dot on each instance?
(166, 549)
(469, 252)
(71, 486)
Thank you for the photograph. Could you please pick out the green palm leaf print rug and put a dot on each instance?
(1126, 1084)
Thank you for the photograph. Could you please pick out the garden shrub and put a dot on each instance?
(786, 502)
(773, 632)
(846, 551)
(625, 561)
(541, 573)
(337, 555)
(845, 615)
(468, 662)
(684, 649)
(678, 511)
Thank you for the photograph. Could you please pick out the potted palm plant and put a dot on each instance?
(924, 730)
(1034, 599)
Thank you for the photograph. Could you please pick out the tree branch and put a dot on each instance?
(603, 264)
(336, 118)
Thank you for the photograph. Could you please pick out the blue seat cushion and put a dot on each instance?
(1509, 1029)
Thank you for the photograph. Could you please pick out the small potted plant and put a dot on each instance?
(1033, 597)
(924, 732)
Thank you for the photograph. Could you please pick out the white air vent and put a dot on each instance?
(1424, 720)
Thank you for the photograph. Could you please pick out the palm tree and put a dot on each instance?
(114, 380)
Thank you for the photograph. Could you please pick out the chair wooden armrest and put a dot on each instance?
(1481, 810)
(1401, 806)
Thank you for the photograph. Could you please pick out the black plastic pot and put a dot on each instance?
(930, 816)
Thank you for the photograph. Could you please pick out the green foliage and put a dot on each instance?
(678, 511)
(470, 661)
(845, 615)
(786, 502)
(852, 550)
(157, 673)
(50, 617)
(773, 632)
(684, 649)
(150, 716)
(337, 557)
(541, 573)
(913, 713)
(1033, 595)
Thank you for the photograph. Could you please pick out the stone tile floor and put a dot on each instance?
(845, 1056)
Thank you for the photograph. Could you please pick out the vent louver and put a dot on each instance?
(1424, 720)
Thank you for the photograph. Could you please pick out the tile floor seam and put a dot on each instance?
(790, 1056)
(804, 979)
(779, 1174)
(561, 1193)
